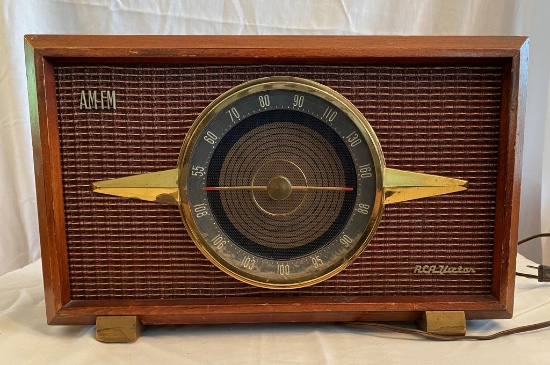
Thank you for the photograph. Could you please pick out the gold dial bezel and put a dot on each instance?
(288, 83)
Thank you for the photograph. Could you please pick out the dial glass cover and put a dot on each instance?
(280, 181)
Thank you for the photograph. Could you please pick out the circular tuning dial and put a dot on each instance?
(290, 187)
(281, 183)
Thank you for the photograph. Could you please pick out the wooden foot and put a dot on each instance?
(446, 323)
(117, 329)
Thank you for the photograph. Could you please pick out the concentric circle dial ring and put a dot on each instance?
(281, 182)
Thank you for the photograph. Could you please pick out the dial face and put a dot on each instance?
(280, 181)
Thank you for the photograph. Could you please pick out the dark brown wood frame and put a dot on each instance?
(45, 51)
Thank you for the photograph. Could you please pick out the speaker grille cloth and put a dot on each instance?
(440, 120)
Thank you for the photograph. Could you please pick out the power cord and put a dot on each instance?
(433, 336)
(543, 276)
(533, 237)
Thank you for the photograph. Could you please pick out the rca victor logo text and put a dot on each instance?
(97, 99)
(442, 269)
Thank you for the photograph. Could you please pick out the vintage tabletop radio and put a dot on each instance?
(204, 179)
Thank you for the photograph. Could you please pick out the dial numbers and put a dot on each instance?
(288, 175)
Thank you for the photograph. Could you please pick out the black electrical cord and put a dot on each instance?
(433, 336)
(533, 237)
(543, 274)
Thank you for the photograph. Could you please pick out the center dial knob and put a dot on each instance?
(279, 177)
(279, 188)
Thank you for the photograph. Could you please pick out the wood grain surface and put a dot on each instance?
(43, 52)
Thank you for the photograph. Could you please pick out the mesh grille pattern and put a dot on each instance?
(438, 120)
(246, 209)
(306, 221)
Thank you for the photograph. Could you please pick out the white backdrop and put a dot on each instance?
(19, 243)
